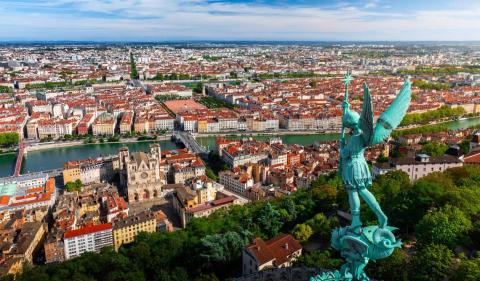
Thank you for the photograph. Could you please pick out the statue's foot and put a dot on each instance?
(355, 228)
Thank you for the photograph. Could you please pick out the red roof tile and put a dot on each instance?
(87, 230)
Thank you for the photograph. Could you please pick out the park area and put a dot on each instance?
(211, 102)
(179, 106)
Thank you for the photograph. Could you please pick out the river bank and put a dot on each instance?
(48, 157)
(269, 133)
(64, 144)
(46, 146)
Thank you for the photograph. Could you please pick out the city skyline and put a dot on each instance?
(183, 20)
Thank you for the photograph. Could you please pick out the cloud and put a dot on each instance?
(371, 4)
(223, 20)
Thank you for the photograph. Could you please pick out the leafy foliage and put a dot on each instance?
(446, 205)
(74, 186)
(441, 70)
(211, 102)
(432, 115)
(391, 268)
(468, 270)
(269, 220)
(224, 248)
(5, 89)
(431, 263)
(319, 259)
(167, 97)
(9, 139)
(302, 232)
(133, 68)
(434, 148)
(448, 226)
(425, 85)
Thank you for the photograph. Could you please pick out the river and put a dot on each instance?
(54, 158)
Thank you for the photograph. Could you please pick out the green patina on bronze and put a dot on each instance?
(358, 244)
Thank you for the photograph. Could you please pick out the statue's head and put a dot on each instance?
(351, 119)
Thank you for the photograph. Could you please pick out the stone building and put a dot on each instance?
(419, 166)
(279, 252)
(126, 229)
(88, 171)
(141, 174)
(104, 124)
(54, 248)
(200, 199)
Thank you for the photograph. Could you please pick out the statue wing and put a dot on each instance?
(391, 118)
(366, 118)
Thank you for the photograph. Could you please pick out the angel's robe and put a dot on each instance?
(355, 171)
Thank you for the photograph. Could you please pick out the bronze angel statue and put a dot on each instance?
(363, 133)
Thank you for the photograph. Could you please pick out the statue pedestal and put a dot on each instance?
(357, 247)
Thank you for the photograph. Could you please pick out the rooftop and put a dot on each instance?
(87, 230)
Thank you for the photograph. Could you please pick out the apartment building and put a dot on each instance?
(126, 122)
(235, 158)
(104, 124)
(165, 123)
(201, 202)
(236, 182)
(88, 171)
(54, 128)
(125, 230)
(418, 166)
(87, 239)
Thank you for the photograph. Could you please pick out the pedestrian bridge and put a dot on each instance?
(18, 162)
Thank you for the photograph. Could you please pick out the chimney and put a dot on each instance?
(286, 246)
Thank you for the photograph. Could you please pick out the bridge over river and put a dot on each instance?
(189, 141)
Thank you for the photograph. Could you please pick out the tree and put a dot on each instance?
(210, 174)
(74, 186)
(133, 68)
(431, 263)
(9, 139)
(320, 226)
(388, 186)
(5, 89)
(198, 89)
(468, 270)
(408, 208)
(288, 209)
(465, 145)
(424, 85)
(448, 226)
(269, 220)
(391, 268)
(426, 117)
(302, 232)
(223, 248)
(319, 259)
(324, 195)
(434, 148)
(206, 277)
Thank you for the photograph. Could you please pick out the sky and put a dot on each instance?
(268, 20)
